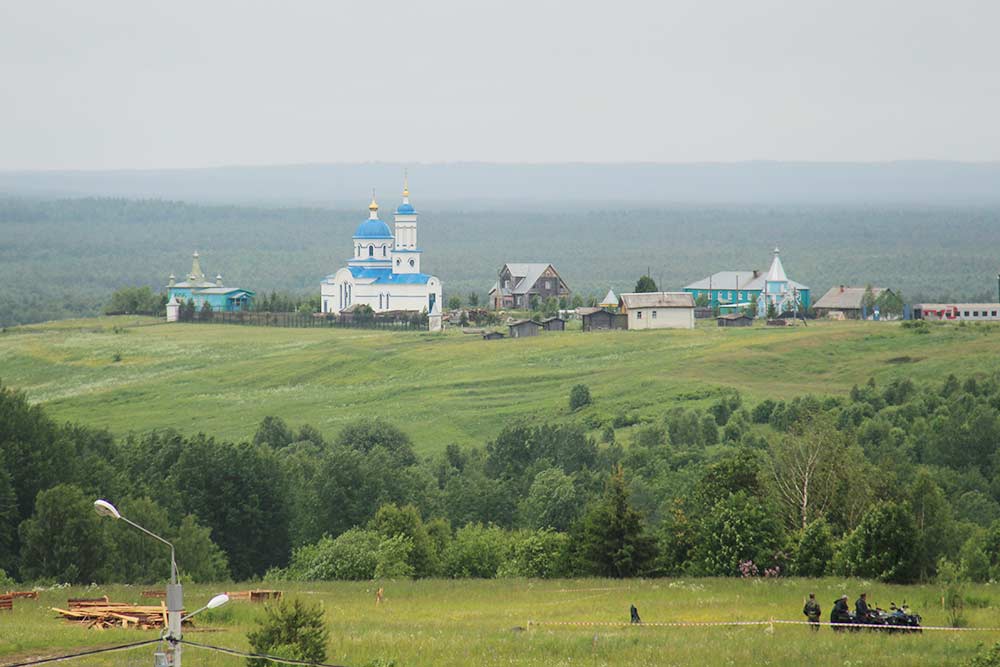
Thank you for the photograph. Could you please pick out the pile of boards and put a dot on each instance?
(7, 599)
(101, 613)
(258, 595)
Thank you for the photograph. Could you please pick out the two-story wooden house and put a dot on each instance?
(517, 283)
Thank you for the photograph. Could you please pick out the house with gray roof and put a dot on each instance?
(737, 290)
(518, 282)
(845, 302)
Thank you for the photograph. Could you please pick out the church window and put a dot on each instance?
(326, 306)
(412, 263)
(387, 300)
(380, 301)
(371, 251)
(383, 251)
(397, 261)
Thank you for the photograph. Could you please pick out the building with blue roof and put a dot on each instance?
(384, 270)
(200, 290)
(752, 290)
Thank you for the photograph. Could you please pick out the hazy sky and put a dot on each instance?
(136, 84)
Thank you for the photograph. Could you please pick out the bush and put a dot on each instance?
(352, 556)
(290, 630)
(988, 657)
(814, 551)
(476, 551)
(579, 396)
(539, 554)
(883, 546)
(737, 529)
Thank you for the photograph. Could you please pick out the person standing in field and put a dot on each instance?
(812, 612)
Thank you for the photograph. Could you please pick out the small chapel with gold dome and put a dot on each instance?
(384, 269)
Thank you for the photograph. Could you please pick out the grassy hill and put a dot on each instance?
(443, 388)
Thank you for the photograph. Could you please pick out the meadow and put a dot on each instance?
(441, 623)
(137, 374)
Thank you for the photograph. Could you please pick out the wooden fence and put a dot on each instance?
(305, 321)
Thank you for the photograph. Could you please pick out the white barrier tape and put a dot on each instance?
(697, 624)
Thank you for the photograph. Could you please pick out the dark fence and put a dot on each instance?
(306, 321)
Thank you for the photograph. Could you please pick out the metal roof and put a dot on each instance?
(657, 300)
(846, 298)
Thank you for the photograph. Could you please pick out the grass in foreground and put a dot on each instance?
(445, 623)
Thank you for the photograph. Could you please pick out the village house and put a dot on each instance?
(657, 310)
(845, 303)
(517, 283)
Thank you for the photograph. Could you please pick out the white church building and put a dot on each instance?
(383, 271)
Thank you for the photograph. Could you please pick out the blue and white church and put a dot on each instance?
(384, 269)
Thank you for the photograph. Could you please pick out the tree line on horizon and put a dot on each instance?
(892, 482)
(64, 258)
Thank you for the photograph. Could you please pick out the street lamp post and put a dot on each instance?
(175, 594)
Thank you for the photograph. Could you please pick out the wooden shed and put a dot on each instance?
(599, 319)
(522, 328)
(493, 335)
(554, 324)
(734, 320)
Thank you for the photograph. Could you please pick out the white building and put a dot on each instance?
(658, 310)
(384, 269)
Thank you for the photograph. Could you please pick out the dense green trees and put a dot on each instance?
(645, 284)
(877, 484)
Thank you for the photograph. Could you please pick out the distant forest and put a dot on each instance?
(64, 258)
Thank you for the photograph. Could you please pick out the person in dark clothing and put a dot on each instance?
(812, 611)
(839, 613)
(635, 615)
(861, 608)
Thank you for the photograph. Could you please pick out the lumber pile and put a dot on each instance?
(6, 603)
(101, 613)
(156, 594)
(27, 595)
(254, 596)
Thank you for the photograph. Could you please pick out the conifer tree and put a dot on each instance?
(613, 541)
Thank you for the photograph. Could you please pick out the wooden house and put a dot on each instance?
(523, 328)
(517, 283)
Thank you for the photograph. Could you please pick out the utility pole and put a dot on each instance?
(175, 593)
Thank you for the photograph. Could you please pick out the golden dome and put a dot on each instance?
(374, 205)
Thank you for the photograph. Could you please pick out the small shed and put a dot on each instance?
(734, 320)
(600, 319)
(522, 328)
(777, 323)
(554, 324)
(493, 335)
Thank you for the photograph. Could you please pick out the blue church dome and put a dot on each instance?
(373, 228)
(405, 209)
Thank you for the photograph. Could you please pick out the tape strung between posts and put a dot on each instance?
(707, 624)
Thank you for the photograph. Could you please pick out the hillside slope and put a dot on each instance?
(452, 387)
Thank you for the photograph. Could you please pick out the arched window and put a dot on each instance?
(380, 301)
(397, 261)
(383, 251)
(371, 251)
(387, 300)
(412, 263)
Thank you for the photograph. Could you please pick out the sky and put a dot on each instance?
(133, 84)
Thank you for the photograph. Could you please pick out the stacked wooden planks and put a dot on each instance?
(258, 595)
(7, 602)
(101, 613)
(27, 595)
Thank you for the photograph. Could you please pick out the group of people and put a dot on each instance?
(839, 613)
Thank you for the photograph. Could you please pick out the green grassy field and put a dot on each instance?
(443, 388)
(487, 623)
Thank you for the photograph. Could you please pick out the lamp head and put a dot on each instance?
(104, 508)
(218, 601)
